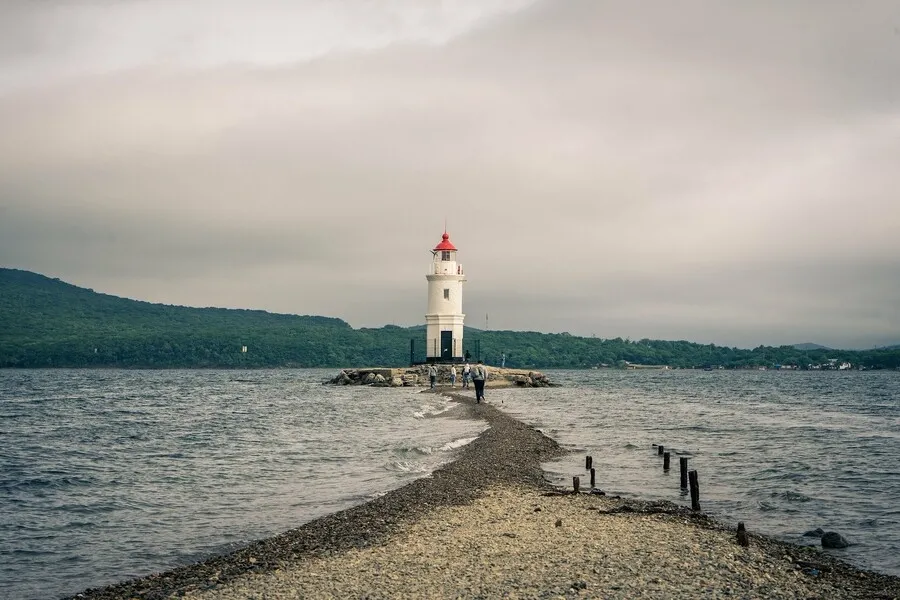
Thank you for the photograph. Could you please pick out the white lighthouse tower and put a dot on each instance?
(444, 319)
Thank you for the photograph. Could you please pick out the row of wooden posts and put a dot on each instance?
(688, 478)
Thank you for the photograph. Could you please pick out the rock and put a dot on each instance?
(418, 375)
(833, 539)
(817, 532)
(380, 381)
(558, 523)
(742, 538)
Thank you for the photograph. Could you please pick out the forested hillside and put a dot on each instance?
(48, 323)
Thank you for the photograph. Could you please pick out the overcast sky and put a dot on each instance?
(715, 171)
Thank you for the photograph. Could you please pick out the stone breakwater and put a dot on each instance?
(418, 376)
(488, 526)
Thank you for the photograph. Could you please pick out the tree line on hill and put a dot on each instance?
(48, 323)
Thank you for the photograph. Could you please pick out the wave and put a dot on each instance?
(459, 443)
(428, 410)
(38, 483)
(404, 466)
(791, 496)
(420, 450)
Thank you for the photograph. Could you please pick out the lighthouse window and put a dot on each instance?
(446, 293)
(445, 255)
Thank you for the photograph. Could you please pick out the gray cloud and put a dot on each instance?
(722, 172)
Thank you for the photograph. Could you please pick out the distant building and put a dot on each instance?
(444, 317)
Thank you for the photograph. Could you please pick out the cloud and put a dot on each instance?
(713, 171)
(74, 38)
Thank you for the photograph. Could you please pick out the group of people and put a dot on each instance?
(477, 375)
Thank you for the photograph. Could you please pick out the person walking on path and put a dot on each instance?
(467, 372)
(479, 376)
(432, 374)
(452, 375)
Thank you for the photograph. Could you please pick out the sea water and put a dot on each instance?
(111, 474)
(107, 475)
(785, 452)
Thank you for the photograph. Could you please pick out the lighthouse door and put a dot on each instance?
(446, 345)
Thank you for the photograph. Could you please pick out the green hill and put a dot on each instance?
(45, 322)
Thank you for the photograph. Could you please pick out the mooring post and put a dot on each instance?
(682, 464)
(575, 484)
(588, 462)
(666, 456)
(660, 450)
(695, 490)
(593, 477)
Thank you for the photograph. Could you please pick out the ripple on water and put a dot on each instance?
(143, 470)
(782, 451)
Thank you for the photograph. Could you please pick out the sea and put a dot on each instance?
(107, 475)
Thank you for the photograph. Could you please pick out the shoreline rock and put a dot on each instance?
(417, 376)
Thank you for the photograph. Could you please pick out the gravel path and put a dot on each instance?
(487, 526)
(507, 544)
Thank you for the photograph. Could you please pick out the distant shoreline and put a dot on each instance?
(47, 323)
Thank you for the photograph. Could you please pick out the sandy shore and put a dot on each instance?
(487, 526)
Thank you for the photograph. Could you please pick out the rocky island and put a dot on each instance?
(418, 376)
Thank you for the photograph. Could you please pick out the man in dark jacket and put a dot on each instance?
(479, 376)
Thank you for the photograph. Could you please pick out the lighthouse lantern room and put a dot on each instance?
(444, 318)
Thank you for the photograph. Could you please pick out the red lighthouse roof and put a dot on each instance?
(445, 243)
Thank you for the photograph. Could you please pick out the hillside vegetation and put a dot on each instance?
(45, 322)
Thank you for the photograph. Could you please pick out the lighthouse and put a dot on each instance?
(444, 319)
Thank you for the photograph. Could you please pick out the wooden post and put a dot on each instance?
(742, 537)
(588, 462)
(660, 450)
(682, 464)
(695, 490)
(593, 477)
(575, 484)
(666, 461)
